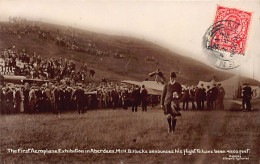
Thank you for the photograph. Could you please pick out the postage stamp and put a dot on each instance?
(226, 38)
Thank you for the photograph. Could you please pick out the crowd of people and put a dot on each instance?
(58, 97)
(151, 59)
(199, 95)
(63, 95)
(35, 67)
(211, 97)
(66, 38)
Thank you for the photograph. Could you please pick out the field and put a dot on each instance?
(120, 129)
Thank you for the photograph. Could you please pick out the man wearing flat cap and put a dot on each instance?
(170, 101)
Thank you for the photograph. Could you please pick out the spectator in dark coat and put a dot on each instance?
(26, 92)
(38, 99)
(68, 95)
(246, 97)
(214, 96)
(220, 97)
(209, 98)
(125, 99)
(198, 97)
(57, 100)
(18, 99)
(203, 96)
(192, 96)
(115, 98)
(135, 98)
(104, 80)
(91, 72)
(185, 97)
(144, 95)
(79, 94)
(9, 105)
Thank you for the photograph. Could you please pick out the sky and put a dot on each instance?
(174, 24)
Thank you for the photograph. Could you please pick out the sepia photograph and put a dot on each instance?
(129, 81)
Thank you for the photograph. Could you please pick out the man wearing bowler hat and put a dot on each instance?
(170, 101)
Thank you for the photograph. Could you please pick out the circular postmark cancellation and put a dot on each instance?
(225, 40)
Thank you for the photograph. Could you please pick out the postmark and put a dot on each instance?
(225, 41)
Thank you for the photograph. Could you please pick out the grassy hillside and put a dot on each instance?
(133, 66)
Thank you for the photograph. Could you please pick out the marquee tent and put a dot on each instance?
(233, 87)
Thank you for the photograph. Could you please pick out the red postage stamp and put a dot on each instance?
(231, 27)
(227, 37)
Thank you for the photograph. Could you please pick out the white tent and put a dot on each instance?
(233, 87)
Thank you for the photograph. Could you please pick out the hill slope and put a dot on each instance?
(114, 57)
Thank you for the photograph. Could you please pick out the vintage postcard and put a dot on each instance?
(129, 81)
